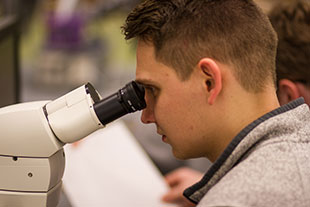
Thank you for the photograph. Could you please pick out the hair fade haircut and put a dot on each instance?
(234, 32)
(291, 20)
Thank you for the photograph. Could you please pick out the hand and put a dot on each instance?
(179, 180)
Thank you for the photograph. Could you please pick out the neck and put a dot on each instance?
(241, 110)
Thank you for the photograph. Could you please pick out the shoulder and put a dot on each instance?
(274, 174)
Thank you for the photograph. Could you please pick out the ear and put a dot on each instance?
(287, 91)
(212, 77)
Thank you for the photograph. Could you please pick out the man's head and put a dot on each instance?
(230, 31)
(291, 20)
(206, 66)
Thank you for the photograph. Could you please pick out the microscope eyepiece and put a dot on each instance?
(127, 100)
(132, 95)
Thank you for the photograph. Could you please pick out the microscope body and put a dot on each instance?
(31, 169)
(32, 159)
(33, 134)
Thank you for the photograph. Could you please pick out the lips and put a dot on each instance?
(164, 138)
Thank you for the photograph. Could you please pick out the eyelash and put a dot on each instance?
(151, 89)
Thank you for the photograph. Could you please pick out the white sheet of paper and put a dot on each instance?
(110, 169)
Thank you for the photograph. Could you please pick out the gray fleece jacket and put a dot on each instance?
(266, 164)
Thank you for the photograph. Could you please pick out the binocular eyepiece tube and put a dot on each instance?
(128, 99)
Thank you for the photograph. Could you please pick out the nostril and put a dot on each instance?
(146, 117)
(143, 119)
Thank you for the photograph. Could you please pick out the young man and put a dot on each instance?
(208, 67)
(291, 22)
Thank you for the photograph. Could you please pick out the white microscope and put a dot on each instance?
(33, 134)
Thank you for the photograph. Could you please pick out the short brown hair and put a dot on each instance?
(291, 20)
(230, 31)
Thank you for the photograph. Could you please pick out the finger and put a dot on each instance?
(173, 196)
(174, 177)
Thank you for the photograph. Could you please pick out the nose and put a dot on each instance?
(147, 116)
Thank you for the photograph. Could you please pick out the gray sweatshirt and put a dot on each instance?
(266, 164)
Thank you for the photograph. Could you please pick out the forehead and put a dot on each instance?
(145, 56)
(149, 70)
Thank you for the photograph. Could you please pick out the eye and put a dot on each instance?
(151, 90)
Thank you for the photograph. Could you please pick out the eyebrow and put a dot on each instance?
(146, 82)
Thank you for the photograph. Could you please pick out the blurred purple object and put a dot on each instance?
(64, 33)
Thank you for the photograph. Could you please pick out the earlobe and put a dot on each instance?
(213, 78)
(287, 91)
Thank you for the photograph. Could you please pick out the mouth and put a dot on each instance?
(164, 138)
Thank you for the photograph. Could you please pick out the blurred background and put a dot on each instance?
(49, 47)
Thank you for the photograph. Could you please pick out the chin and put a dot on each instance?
(181, 155)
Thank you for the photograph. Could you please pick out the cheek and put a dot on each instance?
(186, 121)
(165, 111)
(175, 117)
(177, 108)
